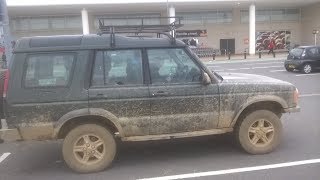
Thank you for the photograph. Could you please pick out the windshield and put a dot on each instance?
(296, 52)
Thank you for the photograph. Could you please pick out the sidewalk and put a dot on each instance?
(238, 58)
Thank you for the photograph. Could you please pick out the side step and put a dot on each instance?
(177, 135)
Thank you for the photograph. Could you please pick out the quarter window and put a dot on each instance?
(171, 66)
(45, 70)
(118, 67)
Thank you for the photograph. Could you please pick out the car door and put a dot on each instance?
(44, 86)
(117, 87)
(314, 55)
(179, 101)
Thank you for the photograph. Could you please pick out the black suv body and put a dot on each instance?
(304, 58)
(90, 91)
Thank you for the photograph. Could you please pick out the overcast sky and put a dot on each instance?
(62, 2)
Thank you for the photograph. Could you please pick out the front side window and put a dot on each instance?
(48, 70)
(171, 66)
(117, 67)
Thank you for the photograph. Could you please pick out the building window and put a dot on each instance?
(272, 15)
(46, 23)
(211, 17)
(118, 20)
(39, 23)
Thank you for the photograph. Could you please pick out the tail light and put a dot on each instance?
(6, 83)
(296, 96)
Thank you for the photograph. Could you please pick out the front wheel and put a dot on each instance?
(289, 70)
(89, 148)
(259, 132)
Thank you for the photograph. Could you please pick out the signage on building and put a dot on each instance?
(191, 33)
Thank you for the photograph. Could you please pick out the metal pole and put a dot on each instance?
(6, 29)
(315, 39)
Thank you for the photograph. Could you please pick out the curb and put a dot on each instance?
(242, 61)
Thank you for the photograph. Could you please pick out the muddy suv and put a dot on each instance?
(92, 90)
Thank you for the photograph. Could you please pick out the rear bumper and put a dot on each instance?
(9, 135)
(292, 110)
(37, 132)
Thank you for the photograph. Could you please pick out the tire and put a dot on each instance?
(307, 68)
(246, 139)
(78, 137)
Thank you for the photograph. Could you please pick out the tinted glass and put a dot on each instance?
(48, 70)
(119, 67)
(296, 52)
(313, 52)
(172, 66)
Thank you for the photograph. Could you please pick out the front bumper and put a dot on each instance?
(292, 110)
(292, 64)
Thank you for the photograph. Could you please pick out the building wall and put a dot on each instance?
(240, 31)
(237, 29)
(310, 21)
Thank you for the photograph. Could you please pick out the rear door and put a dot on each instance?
(118, 87)
(314, 55)
(179, 101)
(45, 86)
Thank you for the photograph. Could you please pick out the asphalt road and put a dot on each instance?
(191, 157)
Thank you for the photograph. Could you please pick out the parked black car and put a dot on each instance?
(304, 58)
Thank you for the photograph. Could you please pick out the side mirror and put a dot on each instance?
(205, 79)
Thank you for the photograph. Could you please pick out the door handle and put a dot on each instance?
(160, 93)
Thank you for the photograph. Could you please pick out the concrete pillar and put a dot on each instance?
(252, 29)
(172, 13)
(85, 21)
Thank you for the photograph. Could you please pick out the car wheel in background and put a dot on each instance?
(307, 68)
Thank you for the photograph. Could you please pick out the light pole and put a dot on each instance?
(315, 33)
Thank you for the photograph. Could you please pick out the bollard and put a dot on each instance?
(259, 54)
(214, 56)
(229, 55)
(245, 55)
(274, 54)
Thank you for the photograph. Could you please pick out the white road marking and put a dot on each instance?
(265, 67)
(232, 69)
(253, 64)
(244, 68)
(238, 170)
(307, 74)
(214, 66)
(309, 95)
(278, 70)
(4, 156)
(219, 70)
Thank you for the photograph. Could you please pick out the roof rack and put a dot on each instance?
(167, 29)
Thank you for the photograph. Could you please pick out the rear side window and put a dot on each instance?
(313, 52)
(117, 67)
(48, 70)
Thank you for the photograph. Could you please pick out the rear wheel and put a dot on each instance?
(89, 148)
(259, 132)
(307, 68)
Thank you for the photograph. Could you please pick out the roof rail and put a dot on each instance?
(166, 29)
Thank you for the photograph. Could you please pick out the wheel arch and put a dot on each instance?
(272, 103)
(81, 116)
